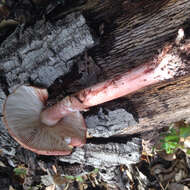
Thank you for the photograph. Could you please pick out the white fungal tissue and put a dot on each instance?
(168, 67)
(67, 140)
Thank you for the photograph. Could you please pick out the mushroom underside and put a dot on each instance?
(22, 118)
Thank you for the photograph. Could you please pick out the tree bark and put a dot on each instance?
(134, 31)
(138, 31)
(156, 107)
(162, 105)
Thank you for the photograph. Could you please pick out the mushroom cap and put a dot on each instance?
(22, 111)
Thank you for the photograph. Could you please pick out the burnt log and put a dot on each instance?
(160, 105)
(139, 29)
(133, 33)
(105, 122)
(132, 36)
(155, 107)
(130, 33)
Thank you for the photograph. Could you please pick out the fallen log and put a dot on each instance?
(132, 33)
(135, 36)
(139, 30)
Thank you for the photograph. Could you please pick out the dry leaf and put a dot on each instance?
(51, 187)
(11, 188)
(54, 169)
(2, 164)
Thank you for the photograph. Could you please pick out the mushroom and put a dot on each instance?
(55, 130)
(166, 66)
(22, 118)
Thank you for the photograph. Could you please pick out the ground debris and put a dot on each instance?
(174, 173)
(177, 186)
(93, 178)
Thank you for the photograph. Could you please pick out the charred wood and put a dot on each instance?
(106, 155)
(106, 123)
(41, 53)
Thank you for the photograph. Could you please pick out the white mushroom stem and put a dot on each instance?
(164, 67)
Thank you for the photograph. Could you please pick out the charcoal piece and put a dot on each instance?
(106, 155)
(41, 53)
(107, 123)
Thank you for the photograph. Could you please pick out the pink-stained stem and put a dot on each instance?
(165, 67)
(127, 83)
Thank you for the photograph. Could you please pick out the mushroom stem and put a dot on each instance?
(164, 67)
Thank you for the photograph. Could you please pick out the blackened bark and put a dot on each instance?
(41, 53)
